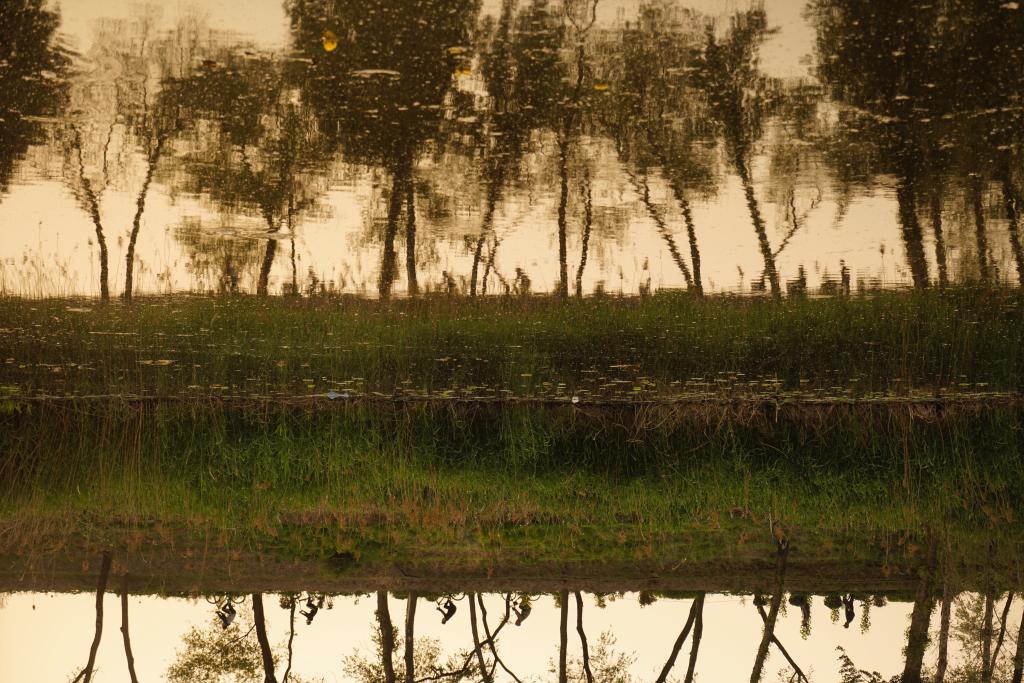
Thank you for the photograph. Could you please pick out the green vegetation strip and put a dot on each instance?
(953, 401)
(666, 345)
(474, 483)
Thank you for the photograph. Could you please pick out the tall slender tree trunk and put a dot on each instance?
(565, 135)
(101, 588)
(800, 676)
(291, 639)
(643, 190)
(140, 207)
(986, 638)
(93, 206)
(944, 619)
(291, 240)
(917, 638)
(583, 638)
(486, 227)
(691, 234)
(588, 221)
(477, 647)
(911, 230)
(1003, 619)
(387, 264)
(698, 632)
(684, 204)
(666, 234)
(410, 237)
(260, 619)
(940, 242)
(126, 634)
(410, 637)
(563, 637)
(563, 204)
(759, 228)
(387, 637)
(1013, 207)
(490, 640)
(678, 645)
(782, 554)
(389, 257)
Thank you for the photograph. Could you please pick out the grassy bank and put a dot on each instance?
(512, 483)
(495, 484)
(665, 345)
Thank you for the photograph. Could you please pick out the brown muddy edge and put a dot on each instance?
(221, 572)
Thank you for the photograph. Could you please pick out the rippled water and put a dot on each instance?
(390, 148)
(175, 446)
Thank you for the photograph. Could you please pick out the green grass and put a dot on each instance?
(472, 482)
(541, 485)
(669, 344)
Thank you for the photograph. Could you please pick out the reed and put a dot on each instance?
(541, 483)
(892, 343)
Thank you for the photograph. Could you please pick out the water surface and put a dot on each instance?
(628, 636)
(838, 469)
(515, 147)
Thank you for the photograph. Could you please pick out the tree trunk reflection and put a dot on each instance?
(917, 637)
(126, 634)
(410, 636)
(266, 655)
(387, 637)
(140, 206)
(86, 674)
(563, 636)
(698, 632)
(583, 638)
(773, 613)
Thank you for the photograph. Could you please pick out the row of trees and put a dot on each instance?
(926, 93)
(243, 650)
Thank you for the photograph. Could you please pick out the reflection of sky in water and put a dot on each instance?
(48, 244)
(815, 225)
(265, 22)
(30, 625)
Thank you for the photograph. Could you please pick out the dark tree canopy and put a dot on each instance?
(33, 68)
(377, 72)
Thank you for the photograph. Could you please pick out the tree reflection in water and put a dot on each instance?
(988, 649)
(489, 111)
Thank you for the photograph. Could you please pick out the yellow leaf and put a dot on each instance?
(330, 41)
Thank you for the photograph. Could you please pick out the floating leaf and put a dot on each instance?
(330, 41)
